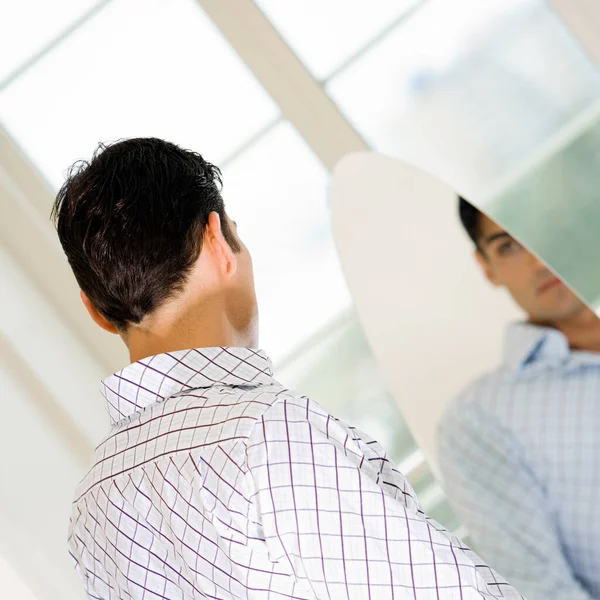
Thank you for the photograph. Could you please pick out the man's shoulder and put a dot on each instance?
(192, 422)
(491, 405)
(480, 399)
(291, 415)
(482, 387)
(226, 409)
(232, 414)
(290, 404)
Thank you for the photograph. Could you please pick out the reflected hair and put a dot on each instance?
(131, 222)
(470, 217)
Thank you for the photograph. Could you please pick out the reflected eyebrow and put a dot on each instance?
(497, 236)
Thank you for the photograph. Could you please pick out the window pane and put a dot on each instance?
(339, 371)
(28, 25)
(276, 191)
(325, 34)
(139, 68)
(560, 190)
(469, 89)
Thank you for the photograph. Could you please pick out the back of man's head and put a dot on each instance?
(131, 223)
(470, 217)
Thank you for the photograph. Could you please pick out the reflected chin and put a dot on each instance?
(559, 311)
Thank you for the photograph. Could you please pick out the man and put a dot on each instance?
(216, 481)
(519, 450)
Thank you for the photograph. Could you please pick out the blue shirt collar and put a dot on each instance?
(527, 345)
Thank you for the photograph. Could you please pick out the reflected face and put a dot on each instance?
(506, 263)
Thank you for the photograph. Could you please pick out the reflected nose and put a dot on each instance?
(538, 263)
(543, 275)
(541, 270)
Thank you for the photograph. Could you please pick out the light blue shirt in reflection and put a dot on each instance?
(520, 457)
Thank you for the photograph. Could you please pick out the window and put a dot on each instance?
(325, 34)
(27, 26)
(276, 191)
(468, 97)
(138, 68)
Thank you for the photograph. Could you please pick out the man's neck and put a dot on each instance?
(581, 330)
(182, 332)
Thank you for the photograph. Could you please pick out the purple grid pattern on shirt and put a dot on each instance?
(520, 454)
(217, 482)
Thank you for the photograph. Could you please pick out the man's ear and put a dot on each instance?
(486, 267)
(96, 316)
(222, 252)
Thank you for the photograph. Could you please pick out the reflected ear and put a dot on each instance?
(486, 267)
(219, 246)
(96, 316)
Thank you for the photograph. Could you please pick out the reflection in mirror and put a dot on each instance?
(492, 357)
(518, 449)
(552, 202)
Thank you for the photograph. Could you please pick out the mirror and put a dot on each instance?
(506, 411)
(410, 272)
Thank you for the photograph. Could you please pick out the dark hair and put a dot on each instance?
(470, 217)
(131, 223)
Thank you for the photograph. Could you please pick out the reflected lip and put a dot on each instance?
(549, 284)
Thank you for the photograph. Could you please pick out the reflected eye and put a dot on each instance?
(509, 247)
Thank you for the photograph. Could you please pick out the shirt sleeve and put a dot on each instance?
(502, 504)
(345, 521)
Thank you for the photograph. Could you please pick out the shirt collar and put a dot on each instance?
(526, 344)
(530, 349)
(158, 377)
